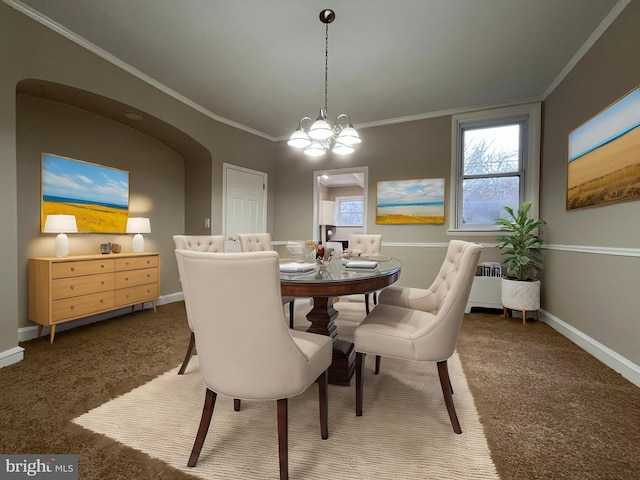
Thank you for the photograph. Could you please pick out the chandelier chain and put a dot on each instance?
(326, 67)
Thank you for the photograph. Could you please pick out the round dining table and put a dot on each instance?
(334, 279)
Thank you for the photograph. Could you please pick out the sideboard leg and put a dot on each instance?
(52, 334)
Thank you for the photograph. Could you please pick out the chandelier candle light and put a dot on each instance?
(320, 136)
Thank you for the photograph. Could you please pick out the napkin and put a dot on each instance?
(297, 267)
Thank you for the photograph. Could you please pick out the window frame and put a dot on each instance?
(530, 179)
(336, 215)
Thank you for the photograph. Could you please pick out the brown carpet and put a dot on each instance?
(549, 410)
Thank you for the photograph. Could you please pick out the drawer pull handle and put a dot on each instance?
(127, 264)
(101, 300)
(126, 279)
(101, 266)
(148, 275)
(72, 307)
(102, 282)
(72, 287)
(73, 269)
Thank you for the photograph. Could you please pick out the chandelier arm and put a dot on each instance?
(303, 119)
(343, 115)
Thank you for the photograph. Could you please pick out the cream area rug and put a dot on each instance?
(404, 432)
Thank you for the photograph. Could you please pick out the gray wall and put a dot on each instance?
(594, 290)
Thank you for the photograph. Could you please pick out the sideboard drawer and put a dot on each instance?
(133, 263)
(74, 269)
(138, 294)
(136, 277)
(67, 308)
(76, 286)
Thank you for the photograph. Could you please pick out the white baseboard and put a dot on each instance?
(11, 356)
(611, 359)
(31, 332)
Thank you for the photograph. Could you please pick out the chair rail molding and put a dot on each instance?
(617, 251)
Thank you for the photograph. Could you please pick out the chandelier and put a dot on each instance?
(320, 136)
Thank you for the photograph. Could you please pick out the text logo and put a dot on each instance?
(49, 467)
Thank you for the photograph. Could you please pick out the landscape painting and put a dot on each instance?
(604, 156)
(98, 196)
(411, 202)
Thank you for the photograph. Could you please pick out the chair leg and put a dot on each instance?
(283, 439)
(187, 357)
(359, 382)
(445, 383)
(205, 421)
(323, 398)
(366, 303)
(291, 313)
(236, 404)
(375, 298)
(377, 370)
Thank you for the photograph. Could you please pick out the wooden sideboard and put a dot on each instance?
(64, 289)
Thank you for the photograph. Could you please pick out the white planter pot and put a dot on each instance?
(521, 296)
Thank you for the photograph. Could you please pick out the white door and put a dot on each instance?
(245, 204)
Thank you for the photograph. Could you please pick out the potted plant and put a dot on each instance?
(522, 251)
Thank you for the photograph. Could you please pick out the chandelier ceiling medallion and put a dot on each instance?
(320, 136)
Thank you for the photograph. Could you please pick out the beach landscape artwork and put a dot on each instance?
(604, 156)
(98, 196)
(411, 202)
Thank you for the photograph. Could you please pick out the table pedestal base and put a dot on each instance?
(343, 365)
(322, 317)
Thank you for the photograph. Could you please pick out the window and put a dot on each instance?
(349, 211)
(495, 158)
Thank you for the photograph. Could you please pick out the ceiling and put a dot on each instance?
(259, 65)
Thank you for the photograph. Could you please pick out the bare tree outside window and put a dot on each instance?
(491, 172)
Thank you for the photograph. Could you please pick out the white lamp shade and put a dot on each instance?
(314, 150)
(299, 139)
(343, 149)
(60, 224)
(320, 130)
(138, 225)
(349, 136)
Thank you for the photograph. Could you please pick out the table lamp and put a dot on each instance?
(138, 225)
(60, 224)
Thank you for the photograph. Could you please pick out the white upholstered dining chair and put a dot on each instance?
(368, 245)
(420, 324)
(261, 242)
(198, 243)
(245, 349)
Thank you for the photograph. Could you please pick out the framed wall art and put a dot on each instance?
(604, 156)
(411, 202)
(98, 196)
